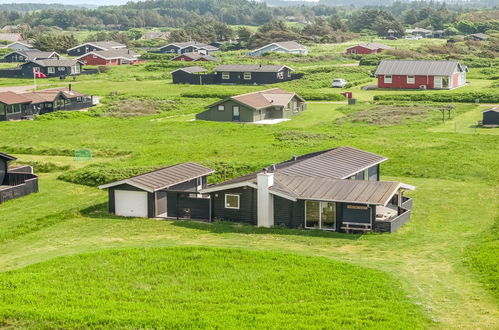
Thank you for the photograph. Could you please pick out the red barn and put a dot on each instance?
(410, 74)
(194, 57)
(370, 48)
(110, 57)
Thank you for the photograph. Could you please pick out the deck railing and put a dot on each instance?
(394, 223)
(20, 184)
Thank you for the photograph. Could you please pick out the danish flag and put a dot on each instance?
(38, 74)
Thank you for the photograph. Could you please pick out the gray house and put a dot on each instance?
(337, 189)
(29, 55)
(170, 192)
(188, 47)
(252, 107)
(288, 47)
(19, 45)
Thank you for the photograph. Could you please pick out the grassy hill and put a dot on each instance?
(66, 262)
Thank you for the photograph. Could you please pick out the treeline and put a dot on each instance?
(27, 7)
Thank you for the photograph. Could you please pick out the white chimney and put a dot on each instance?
(265, 200)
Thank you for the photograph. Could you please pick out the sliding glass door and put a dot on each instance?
(320, 215)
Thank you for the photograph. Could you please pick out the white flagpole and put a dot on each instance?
(34, 78)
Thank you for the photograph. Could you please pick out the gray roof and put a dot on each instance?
(115, 53)
(191, 69)
(8, 157)
(62, 62)
(418, 68)
(482, 36)
(164, 177)
(195, 44)
(198, 56)
(102, 44)
(249, 68)
(336, 163)
(494, 109)
(33, 54)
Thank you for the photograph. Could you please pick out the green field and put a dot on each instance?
(67, 263)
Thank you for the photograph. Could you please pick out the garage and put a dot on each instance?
(130, 203)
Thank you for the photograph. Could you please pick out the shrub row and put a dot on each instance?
(358, 82)
(45, 167)
(470, 97)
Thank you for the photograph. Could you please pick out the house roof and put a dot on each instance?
(20, 43)
(197, 56)
(8, 157)
(53, 62)
(418, 29)
(250, 68)
(12, 98)
(165, 177)
(11, 37)
(263, 99)
(191, 69)
(482, 36)
(195, 44)
(418, 68)
(494, 109)
(373, 46)
(322, 176)
(126, 54)
(33, 54)
(50, 95)
(288, 45)
(105, 45)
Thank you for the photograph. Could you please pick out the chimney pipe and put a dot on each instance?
(265, 200)
(70, 88)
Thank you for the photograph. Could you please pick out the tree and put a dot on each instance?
(58, 42)
(244, 35)
(135, 34)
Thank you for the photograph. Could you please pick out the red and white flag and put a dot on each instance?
(38, 74)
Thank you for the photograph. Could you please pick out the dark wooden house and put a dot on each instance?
(29, 55)
(188, 47)
(93, 46)
(15, 181)
(170, 192)
(195, 57)
(253, 107)
(47, 68)
(337, 189)
(15, 106)
(491, 117)
(247, 74)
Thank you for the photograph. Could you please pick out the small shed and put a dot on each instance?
(170, 192)
(491, 117)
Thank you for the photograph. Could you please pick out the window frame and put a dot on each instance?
(225, 75)
(221, 106)
(238, 201)
(51, 69)
(387, 80)
(320, 204)
(247, 75)
(412, 80)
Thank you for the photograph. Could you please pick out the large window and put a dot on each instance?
(388, 79)
(411, 80)
(232, 201)
(51, 69)
(13, 108)
(225, 75)
(320, 215)
(247, 76)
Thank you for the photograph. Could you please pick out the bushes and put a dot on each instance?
(45, 167)
(95, 175)
(469, 97)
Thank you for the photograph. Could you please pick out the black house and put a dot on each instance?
(491, 117)
(14, 106)
(170, 192)
(336, 189)
(94, 46)
(47, 68)
(188, 47)
(247, 74)
(15, 181)
(29, 55)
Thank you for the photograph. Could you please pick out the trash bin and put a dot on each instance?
(352, 101)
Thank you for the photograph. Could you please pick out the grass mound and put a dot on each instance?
(202, 288)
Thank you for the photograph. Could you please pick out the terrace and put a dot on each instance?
(18, 181)
(391, 216)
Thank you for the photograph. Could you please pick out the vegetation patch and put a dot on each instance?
(203, 288)
(44, 167)
(469, 97)
(298, 138)
(132, 108)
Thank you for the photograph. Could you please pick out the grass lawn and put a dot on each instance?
(67, 263)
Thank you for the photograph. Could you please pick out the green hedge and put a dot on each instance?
(307, 95)
(470, 97)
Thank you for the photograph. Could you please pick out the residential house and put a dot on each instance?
(419, 32)
(15, 181)
(478, 36)
(251, 74)
(252, 107)
(289, 47)
(170, 192)
(195, 57)
(19, 45)
(188, 47)
(491, 117)
(47, 68)
(93, 46)
(16, 106)
(410, 74)
(336, 189)
(29, 55)
(110, 57)
(369, 48)
(11, 37)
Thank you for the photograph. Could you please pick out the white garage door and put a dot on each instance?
(130, 203)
